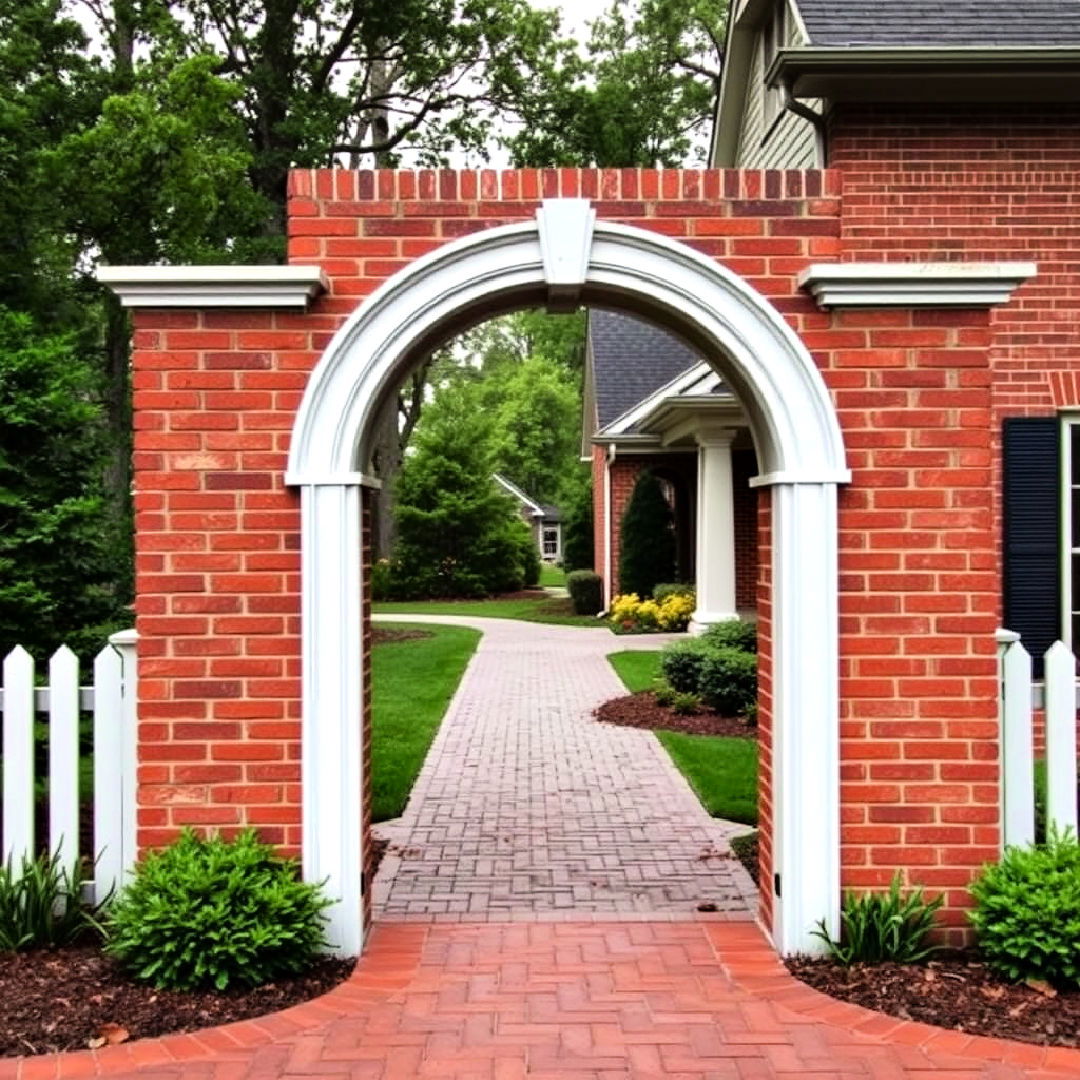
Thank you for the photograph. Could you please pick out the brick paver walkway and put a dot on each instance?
(569, 1001)
(527, 808)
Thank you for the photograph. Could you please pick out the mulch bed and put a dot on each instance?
(957, 992)
(641, 711)
(77, 998)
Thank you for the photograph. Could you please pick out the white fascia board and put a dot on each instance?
(678, 385)
(214, 286)
(928, 284)
(518, 494)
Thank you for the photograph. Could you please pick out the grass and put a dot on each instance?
(721, 770)
(412, 683)
(550, 574)
(540, 609)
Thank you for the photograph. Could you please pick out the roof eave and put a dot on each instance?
(869, 72)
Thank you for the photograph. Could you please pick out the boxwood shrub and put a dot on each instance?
(586, 592)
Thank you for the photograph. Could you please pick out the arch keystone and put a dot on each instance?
(566, 234)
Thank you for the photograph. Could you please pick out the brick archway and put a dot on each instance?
(565, 256)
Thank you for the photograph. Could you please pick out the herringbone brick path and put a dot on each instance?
(527, 808)
(567, 1001)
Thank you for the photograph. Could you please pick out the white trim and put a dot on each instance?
(928, 284)
(520, 495)
(1066, 551)
(566, 229)
(214, 286)
(609, 588)
(800, 476)
(796, 434)
(333, 702)
(336, 480)
(681, 383)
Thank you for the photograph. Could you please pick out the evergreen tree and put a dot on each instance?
(646, 539)
(577, 546)
(458, 534)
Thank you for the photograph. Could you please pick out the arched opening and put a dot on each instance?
(562, 257)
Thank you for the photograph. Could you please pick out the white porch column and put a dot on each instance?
(715, 530)
(805, 709)
(333, 696)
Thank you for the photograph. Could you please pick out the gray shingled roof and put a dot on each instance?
(941, 22)
(631, 360)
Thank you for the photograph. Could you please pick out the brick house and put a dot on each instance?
(884, 268)
(652, 402)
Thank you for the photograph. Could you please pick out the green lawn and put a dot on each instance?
(412, 683)
(541, 610)
(550, 574)
(722, 771)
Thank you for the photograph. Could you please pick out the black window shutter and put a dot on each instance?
(1032, 513)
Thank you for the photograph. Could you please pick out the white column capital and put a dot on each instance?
(715, 435)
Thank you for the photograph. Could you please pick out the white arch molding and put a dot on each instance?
(565, 256)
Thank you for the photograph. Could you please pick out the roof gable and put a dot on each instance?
(632, 359)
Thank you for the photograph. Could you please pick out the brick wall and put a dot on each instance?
(918, 395)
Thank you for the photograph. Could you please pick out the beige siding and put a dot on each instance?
(791, 142)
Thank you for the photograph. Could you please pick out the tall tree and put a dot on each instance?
(647, 552)
(644, 98)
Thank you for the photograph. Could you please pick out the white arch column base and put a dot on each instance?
(333, 703)
(805, 712)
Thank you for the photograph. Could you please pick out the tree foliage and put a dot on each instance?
(646, 538)
(62, 566)
(458, 533)
(645, 96)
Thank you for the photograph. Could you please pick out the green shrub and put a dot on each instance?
(686, 704)
(681, 664)
(664, 693)
(662, 592)
(382, 583)
(528, 558)
(586, 592)
(732, 634)
(728, 681)
(1027, 911)
(42, 905)
(216, 913)
(877, 927)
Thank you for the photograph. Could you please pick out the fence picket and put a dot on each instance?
(1017, 748)
(108, 778)
(18, 755)
(1060, 736)
(64, 755)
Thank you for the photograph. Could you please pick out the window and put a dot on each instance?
(551, 542)
(1040, 555)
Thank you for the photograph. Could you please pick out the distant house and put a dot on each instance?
(544, 521)
(653, 402)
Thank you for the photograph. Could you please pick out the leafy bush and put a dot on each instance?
(381, 580)
(577, 533)
(686, 704)
(681, 664)
(528, 558)
(646, 538)
(877, 927)
(42, 905)
(216, 913)
(732, 634)
(586, 592)
(728, 681)
(1027, 911)
(664, 693)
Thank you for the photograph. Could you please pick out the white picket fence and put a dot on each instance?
(112, 701)
(1020, 697)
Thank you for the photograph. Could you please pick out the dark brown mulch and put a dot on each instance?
(641, 711)
(380, 636)
(68, 999)
(746, 851)
(378, 850)
(957, 993)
